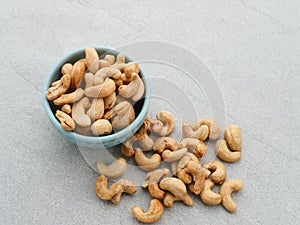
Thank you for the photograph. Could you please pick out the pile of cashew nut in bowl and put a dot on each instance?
(96, 96)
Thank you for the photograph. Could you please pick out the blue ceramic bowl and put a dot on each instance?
(141, 107)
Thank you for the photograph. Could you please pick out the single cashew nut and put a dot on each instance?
(194, 145)
(219, 174)
(77, 74)
(89, 80)
(163, 143)
(60, 88)
(153, 214)
(96, 111)
(66, 68)
(69, 98)
(110, 101)
(105, 193)
(66, 108)
(129, 90)
(128, 187)
(101, 127)
(214, 128)
(123, 115)
(233, 137)
(140, 92)
(127, 146)
(198, 132)
(155, 125)
(110, 59)
(65, 120)
(163, 125)
(92, 60)
(225, 191)
(144, 162)
(78, 112)
(172, 156)
(106, 72)
(116, 169)
(208, 196)
(102, 90)
(225, 154)
(145, 140)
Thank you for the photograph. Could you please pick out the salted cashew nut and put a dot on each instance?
(89, 80)
(218, 175)
(145, 140)
(79, 112)
(66, 108)
(66, 68)
(103, 191)
(144, 162)
(96, 111)
(116, 169)
(195, 131)
(225, 154)
(153, 214)
(69, 98)
(106, 72)
(101, 127)
(77, 74)
(197, 147)
(151, 182)
(225, 191)
(101, 90)
(155, 125)
(172, 156)
(60, 88)
(163, 125)
(127, 146)
(163, 143)
(208, 196)
(214, 128)
(129, 90)
(65, 120)
(92, 60)
(128, 187)
(123, 115)
(140, 92)
(233, 137)
(110, 101)
(177, 188)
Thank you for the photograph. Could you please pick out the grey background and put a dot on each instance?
(251, 47)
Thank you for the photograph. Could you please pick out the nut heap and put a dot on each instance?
(94, 95)
(188, 175)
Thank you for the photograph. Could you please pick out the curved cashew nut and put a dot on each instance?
(129, 90)
(146, 163)
(145, 140)
(194, 145)
(123, 115)
(101, 90)
(225, 154)
(110, 101)
(116, 169)
(198, 132)
(163, 125)
(208, 196)
(140, 92)
(214, 129)
(77, 74)
(127, 146)
(89, 80)
(92, 60)
(78, 112)
(61, 87)
(163, 143)
(106, 72)
(66, 69)
(155, 125)
(225, 191)
(96, 111)
(66, 108)
(233, 137)
(172, 156)
(70, 97)
(219, 174)
(105, 193)
(128, 187)
(151, 181)
(101, 126)
(65, 120)
(153, 214)
(177, 188)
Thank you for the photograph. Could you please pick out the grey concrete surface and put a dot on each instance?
(251, 47)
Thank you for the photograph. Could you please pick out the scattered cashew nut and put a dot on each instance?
(146, 163)
(219, 171)
(153, 214)
(198, 132)
(233, 137)
(103, 191)
(116, 169)
(225, 191)
(128, 187)
(214, 129)
(65, 120)
(172, 156)
(225, 154)
(208, 196)
(194, 145)
(163, 143)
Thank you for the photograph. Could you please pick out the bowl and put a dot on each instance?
(141, 107)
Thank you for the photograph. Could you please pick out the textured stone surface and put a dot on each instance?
(251, 47)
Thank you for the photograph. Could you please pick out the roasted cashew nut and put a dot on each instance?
(110, 101)
(116, 169)
(163, 125)
(129, 90)
(194, 131)
(163, 143)
(60, 88)
(127, 146)
(172, 156)
(219, 171)
(78, 112)
(153, 214)
(146, 163)
(194, 145)
(70, 97)
(77, 74)
(225, 191)
(233, 137)
(101, 127)
(96, 111)
(123, 115)
(102, 190)
(106, 72)
(145, 140)
(92, 60)
(128, 187)
(66, 108)
(214, 128)
(65, 120)
(208, 196)
(101, 90)
(151, 181)
(225, 154)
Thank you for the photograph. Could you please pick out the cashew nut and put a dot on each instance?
(65, 120)
(146, 163)
(96, 111)
(106, 72)
(110, 59)
(145, 141)
(195, 131)
(163, 125)
(153, 214)
(60, 88)
(101, 90)
(177, 188)
(151, 181)
(128, 187)
(155, 125)
(225, 154)
(208, 196)
(225, 191)
(214, 129)
(194, 145)
(130, 68)
(66, 108)
(102, 190)
(120, 62)
(116, 169)
(101, 127)
(233, 137)
(77, 74)
(172, 156)
(129, 90)
(78, 112)
(92, 59)
(69, 98)
(127, 148)
(110, 101)
(123, 115)
(163, 143)
(140, 92)
(89, 80)
(219, 174)
(66, 68)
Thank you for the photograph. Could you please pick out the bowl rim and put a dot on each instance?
(94, 139)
